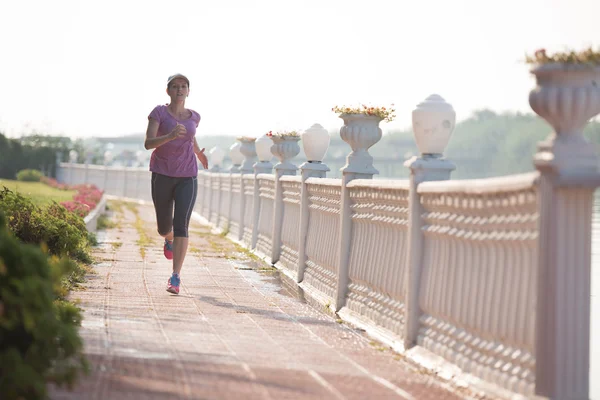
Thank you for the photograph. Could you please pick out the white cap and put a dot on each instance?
(181, 76)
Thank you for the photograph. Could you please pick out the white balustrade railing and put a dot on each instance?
(248, 200)
(489, 275)
(224, 201)
(477, 293)
(264, 230)
(378, 250)
(290, 222)
(320, 269)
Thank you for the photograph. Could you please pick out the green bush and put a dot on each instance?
(63, 232)
(39, 340)
(29, 175)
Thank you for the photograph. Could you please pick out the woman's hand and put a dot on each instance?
(202, 157)
(178, 132)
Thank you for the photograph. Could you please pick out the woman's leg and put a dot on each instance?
(163, 188)
(185, 198)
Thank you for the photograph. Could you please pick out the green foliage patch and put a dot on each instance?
(63, 232)
(39, 340)
(39, 193)
(29, 175)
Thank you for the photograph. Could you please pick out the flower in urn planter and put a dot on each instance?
(386, 114)
(283, 134)
(585, 57)
(361, 131)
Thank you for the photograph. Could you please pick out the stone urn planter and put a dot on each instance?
(285, 148)
(433, 122)
(360, 131)
(567, 96)
(248, 149)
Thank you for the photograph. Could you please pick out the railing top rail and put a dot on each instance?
(324, 181)
(291, 178)
(402, 184)
(101, 167)
(266, 177)
(510, 183)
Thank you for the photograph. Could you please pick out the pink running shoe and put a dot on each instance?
(173, 284)
(168, 249)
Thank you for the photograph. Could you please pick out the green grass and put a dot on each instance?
(39, 193)
(104, 222)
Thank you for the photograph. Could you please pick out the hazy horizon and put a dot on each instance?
(85, 70)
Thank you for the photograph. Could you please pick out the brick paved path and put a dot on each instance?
(234, 332)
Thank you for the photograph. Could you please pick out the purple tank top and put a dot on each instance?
(175, 158)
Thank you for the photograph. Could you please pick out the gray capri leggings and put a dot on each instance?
(168, 191)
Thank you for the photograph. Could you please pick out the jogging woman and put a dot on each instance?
(172, 134)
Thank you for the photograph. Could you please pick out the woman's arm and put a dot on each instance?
(152, 141)
(200, 154)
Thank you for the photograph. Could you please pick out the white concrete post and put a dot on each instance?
(107, 161)
(566, 96)
(58, 171)
(248, 149)
(315, 141)
(138, 176)
(217, 155)
(88, 160)
(72, 160)
(236, 159)
(125, 176)
(140, 157)
(360, 131)
(433, 124)
(284, 148)
(208, 187)
(422, 169)
(201, 192)
(263, 166)
(217, 178)
(310, 169)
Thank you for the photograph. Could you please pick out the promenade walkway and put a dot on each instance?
(236, 331)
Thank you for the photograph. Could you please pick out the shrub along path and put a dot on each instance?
(234, 331)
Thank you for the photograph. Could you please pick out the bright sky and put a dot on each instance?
(84, 69)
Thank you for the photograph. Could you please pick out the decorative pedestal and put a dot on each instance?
(566, 96)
